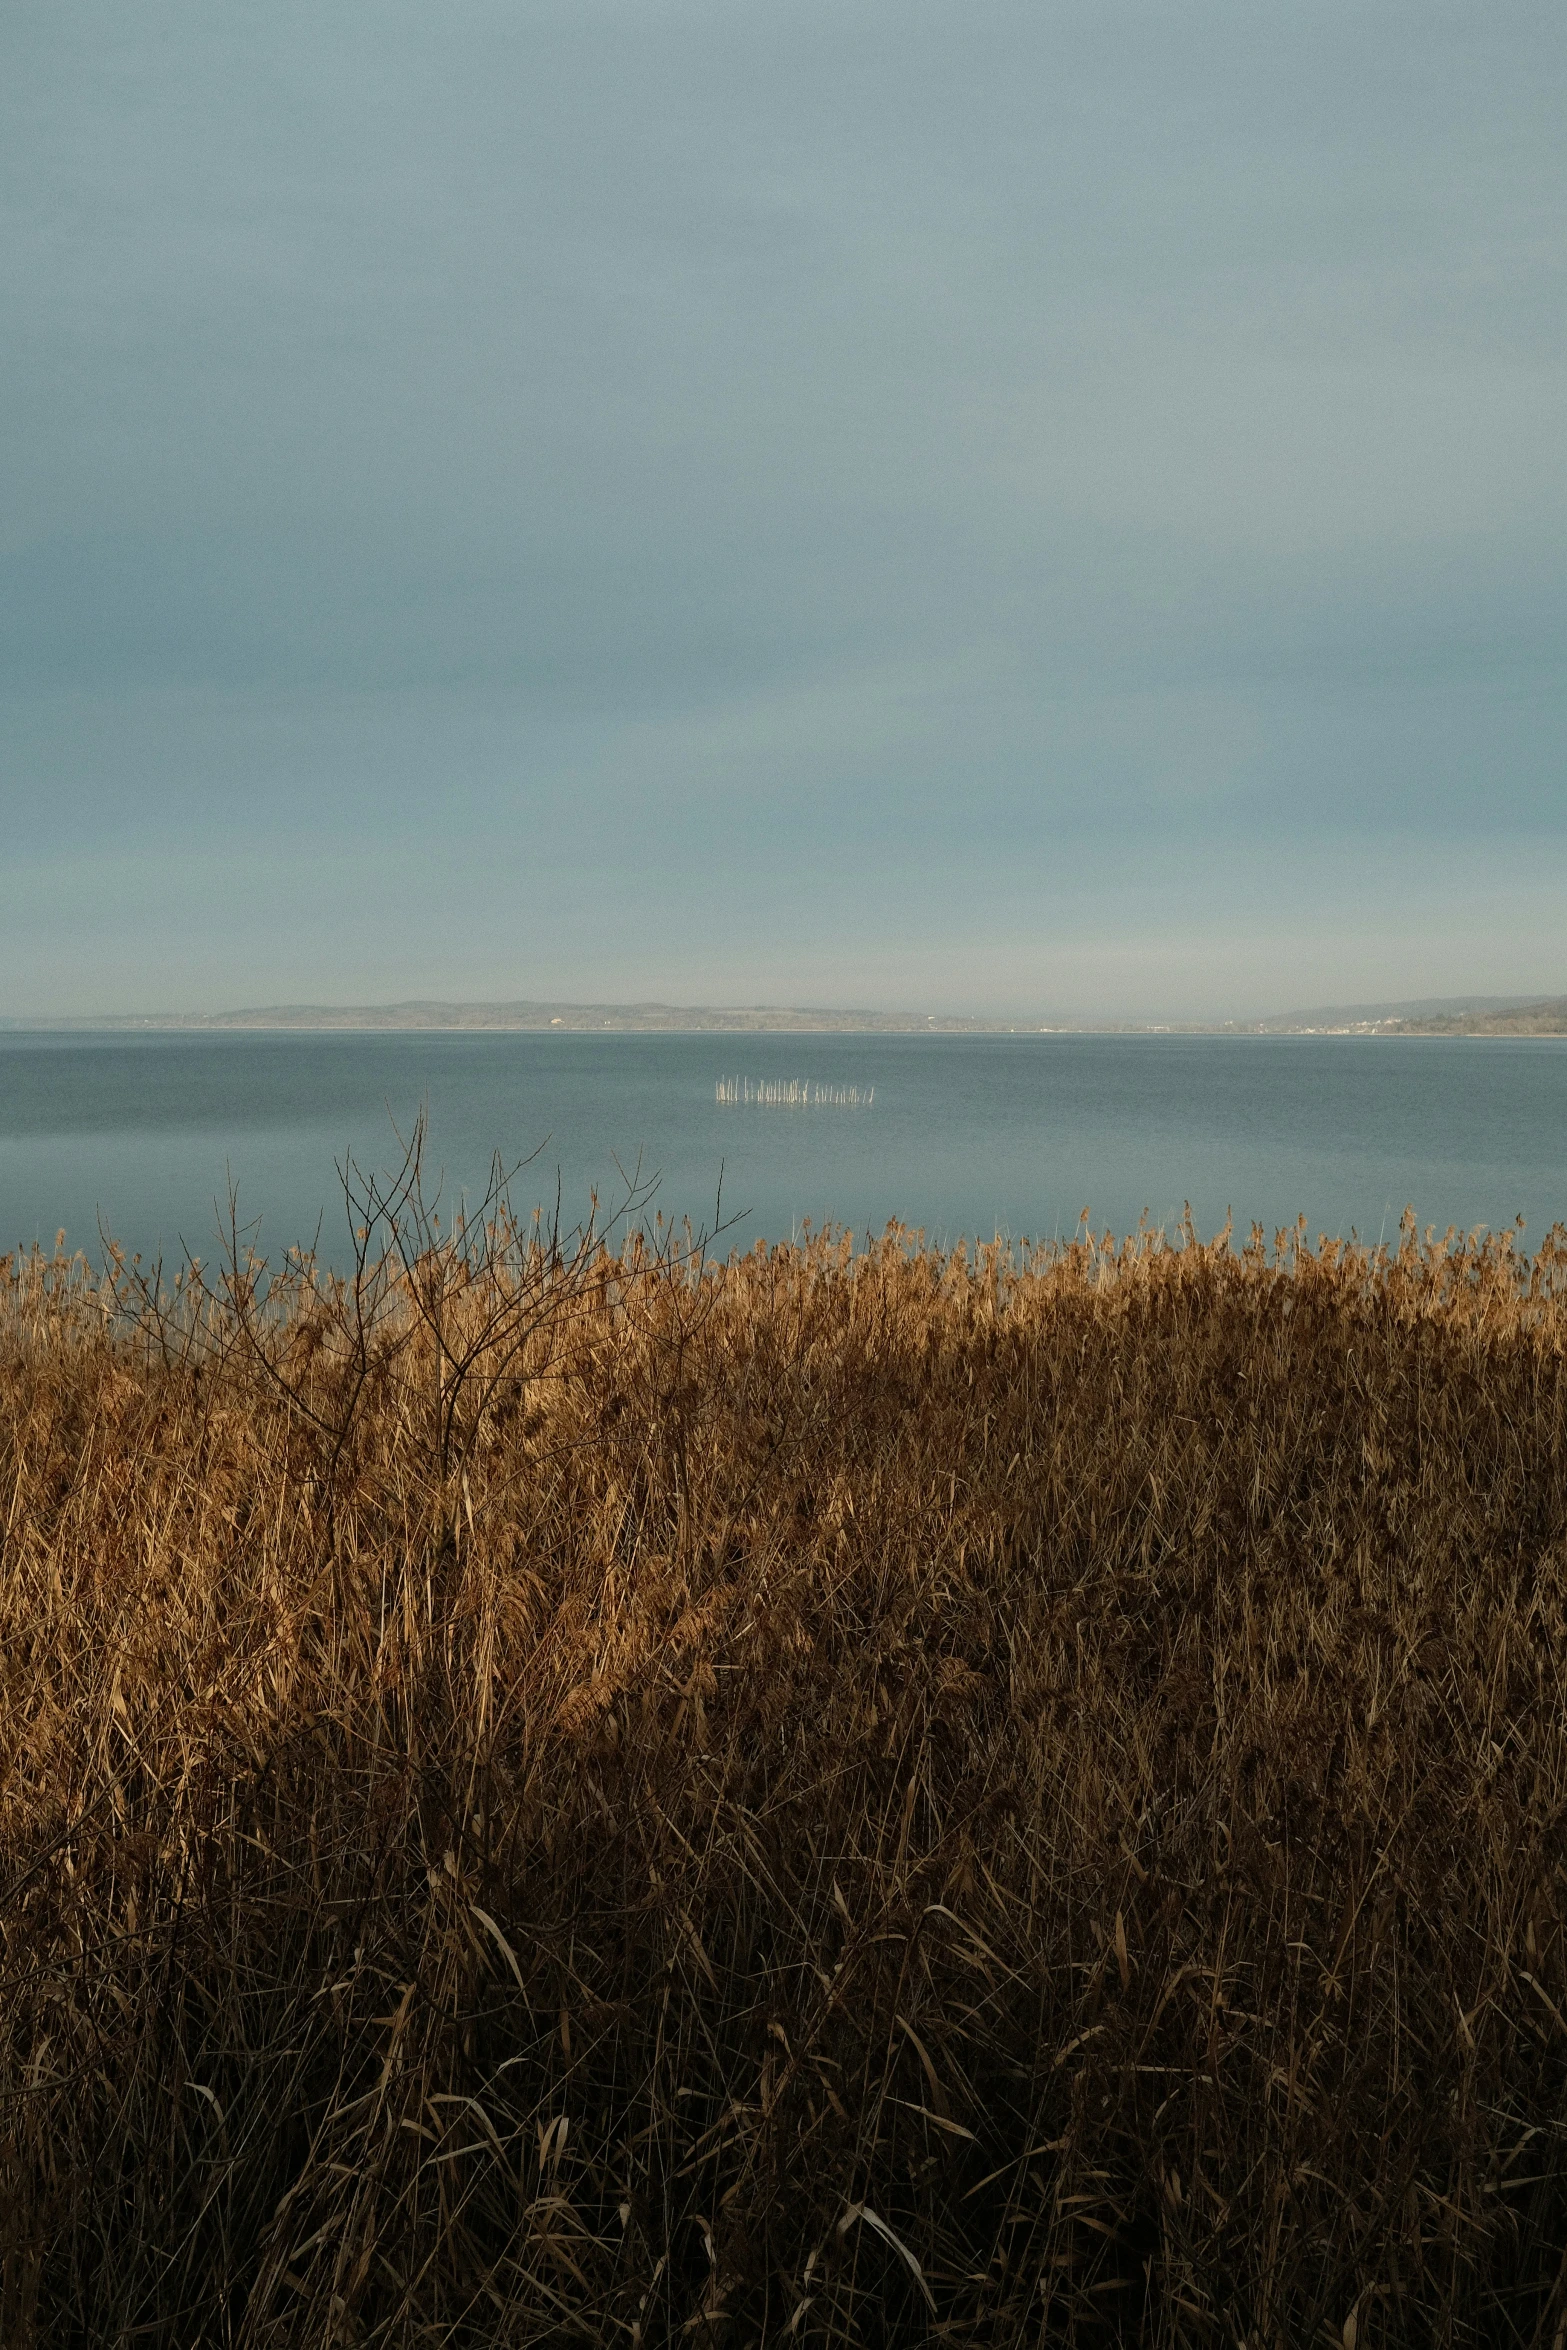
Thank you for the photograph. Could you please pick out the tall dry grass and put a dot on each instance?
(554, 1795)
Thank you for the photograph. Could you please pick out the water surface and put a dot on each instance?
(967, 1136)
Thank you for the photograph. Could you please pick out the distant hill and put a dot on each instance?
(1411, 1017)
(1548, 1018)
(633, 1018)
(1429, 1016)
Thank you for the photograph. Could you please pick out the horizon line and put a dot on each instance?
(424, 1014)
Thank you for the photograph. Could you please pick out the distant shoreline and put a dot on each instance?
(1541, 1017)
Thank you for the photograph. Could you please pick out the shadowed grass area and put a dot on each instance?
(868, 1797)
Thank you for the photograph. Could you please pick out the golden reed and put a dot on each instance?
(555, 1793)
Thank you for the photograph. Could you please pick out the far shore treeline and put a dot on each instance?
(1456, 1016)
(563, 1789)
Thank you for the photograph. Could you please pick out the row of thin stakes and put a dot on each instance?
(557, 1790)
(792, 1093)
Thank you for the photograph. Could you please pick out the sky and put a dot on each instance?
(1023, 510)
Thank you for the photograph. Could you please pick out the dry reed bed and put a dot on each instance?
(821, 1798)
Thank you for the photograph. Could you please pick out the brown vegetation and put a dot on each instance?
(825, 1798)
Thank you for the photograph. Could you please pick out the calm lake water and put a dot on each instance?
(966, 1136)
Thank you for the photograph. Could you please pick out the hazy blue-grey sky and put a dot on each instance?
(1012, 508)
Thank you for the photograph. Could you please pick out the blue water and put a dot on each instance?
(965, 1137)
